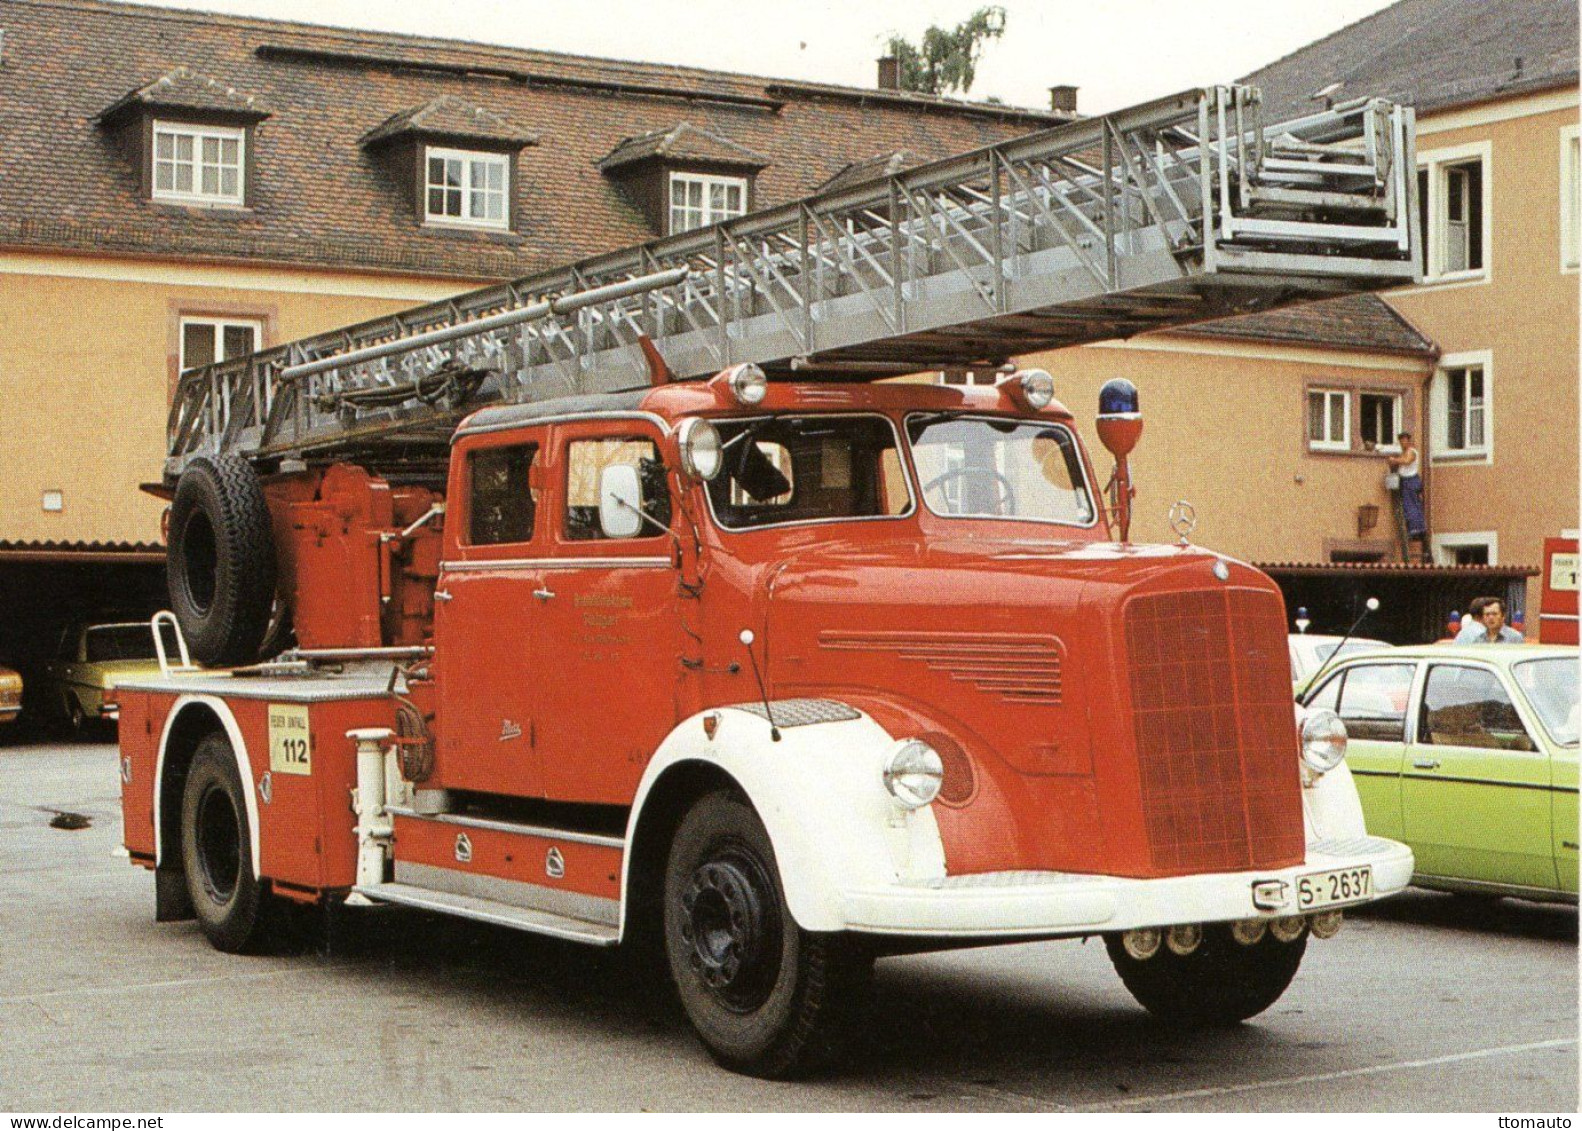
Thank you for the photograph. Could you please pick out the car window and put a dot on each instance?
(1328, 696)
(119, 642)
(503, 504)
(1552, 686)
(585, 464)
(1373, 701)
(1470, 707)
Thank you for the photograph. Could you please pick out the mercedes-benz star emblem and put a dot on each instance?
(1183, 519)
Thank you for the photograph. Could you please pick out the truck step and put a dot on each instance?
(493, 911)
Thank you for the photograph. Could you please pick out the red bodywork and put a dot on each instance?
(1557, 623)
(1099, 708)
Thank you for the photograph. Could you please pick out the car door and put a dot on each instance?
(486, 617)
(1373, 701)
(610, 676)
(1563, 812)
(1475, 793)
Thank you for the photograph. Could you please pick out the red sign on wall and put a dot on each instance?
(1557, 622)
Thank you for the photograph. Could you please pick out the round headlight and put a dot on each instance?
(1038, 389)
(1323, 740)
(748, 384)
(701, 454)
(913, 773)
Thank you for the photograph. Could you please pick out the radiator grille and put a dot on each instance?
(1213, 722)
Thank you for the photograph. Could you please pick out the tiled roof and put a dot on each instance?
(450, 117)
(186, 89)
(1350, 322)
(319, 198)
(879, 165)
(42, 550)
(1432, 54)
(682, 142)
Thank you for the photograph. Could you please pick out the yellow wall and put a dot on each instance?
(1524, 314)
(1226, 430)
(88, 352)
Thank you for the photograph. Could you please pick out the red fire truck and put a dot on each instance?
(602, 633)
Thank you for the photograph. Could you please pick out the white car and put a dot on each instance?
(1309, 653)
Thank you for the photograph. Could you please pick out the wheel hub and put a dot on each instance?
(219, 844)
(728, 928)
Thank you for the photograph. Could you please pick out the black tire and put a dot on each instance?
(221, 560)
(216, 853)
(1220, 983)
(73, 718)
(767, 998)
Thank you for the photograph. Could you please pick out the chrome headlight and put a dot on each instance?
(748, 384)
(1323, 740)
(1038, 389)
(913, 772)
(701, 454)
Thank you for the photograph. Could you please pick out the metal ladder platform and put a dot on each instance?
(1177, 211)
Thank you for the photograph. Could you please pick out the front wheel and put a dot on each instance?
(216, 851)
(767, 998)
(1220, 983)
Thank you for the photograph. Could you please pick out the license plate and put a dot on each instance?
(1344, 885)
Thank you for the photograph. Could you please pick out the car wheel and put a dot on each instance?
(1220, 983)
(216, 850)
(72, 714)
(766, 997)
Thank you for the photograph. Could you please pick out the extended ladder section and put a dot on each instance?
(1177, 211)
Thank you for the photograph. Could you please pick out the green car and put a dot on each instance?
(1468, 754)
(89, 662)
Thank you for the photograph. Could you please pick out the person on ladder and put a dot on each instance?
(1405, 465)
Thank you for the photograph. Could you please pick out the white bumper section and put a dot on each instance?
(1001, 904)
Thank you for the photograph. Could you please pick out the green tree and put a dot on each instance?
(946, 61)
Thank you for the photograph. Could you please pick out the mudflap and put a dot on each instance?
(172, 903)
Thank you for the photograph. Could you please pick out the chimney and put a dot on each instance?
(1063, 98)
(889, 73)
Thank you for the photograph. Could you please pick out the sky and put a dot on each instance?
(1119, 52)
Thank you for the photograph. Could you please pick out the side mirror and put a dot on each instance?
(620, 501)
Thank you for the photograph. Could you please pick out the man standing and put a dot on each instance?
(1485, 624)
(1405, 465)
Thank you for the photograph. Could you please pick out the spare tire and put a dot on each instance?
(221, 560)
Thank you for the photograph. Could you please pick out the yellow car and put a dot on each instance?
(90, 662)
(10, 695)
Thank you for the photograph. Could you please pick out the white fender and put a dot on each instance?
(1332, 809)
(243, 766)
(821, 796)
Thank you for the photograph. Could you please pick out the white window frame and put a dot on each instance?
(1445, 545)
(1394, 446)
(1328, 443)
(198, 134)
(1439, 409)
(1570, 200)
(1435, 163)
(471, 160)
(218, 324)
(707, 181)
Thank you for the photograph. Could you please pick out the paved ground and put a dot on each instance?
(1420, 1005)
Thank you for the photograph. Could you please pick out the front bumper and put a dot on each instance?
(1012, 904)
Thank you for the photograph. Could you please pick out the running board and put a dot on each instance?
(492, 911)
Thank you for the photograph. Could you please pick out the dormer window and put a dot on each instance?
(698, 200)
(684, 178)
(467, 187)
(191, 138)
(457, 161)
(199, 164)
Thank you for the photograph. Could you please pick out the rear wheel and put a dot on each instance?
(1220, 983)
(767, 998)
(216, 851)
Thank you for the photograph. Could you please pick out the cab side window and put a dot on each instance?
(1470, 707)
(585, 464)
(503, 503)
(1373, 701)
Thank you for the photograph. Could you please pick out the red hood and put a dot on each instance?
(1016, 653)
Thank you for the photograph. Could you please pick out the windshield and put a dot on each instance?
(1551, 687)
(120, 642)
(991, 467)
(784, 469)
